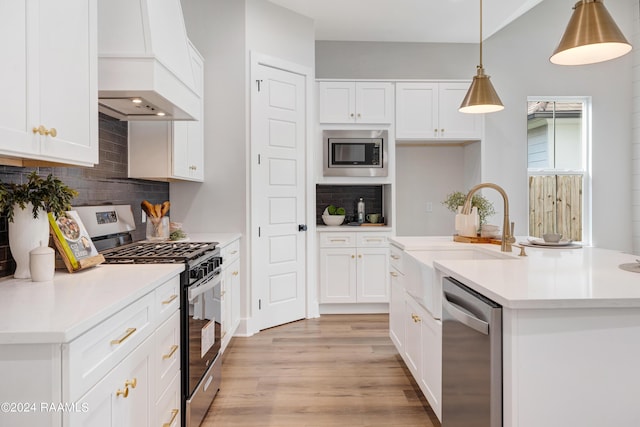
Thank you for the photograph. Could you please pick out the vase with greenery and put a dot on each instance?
(457, 198)
(26, 206)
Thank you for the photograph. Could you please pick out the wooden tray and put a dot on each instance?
(478, 239)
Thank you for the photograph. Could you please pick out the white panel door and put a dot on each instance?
(278, 195)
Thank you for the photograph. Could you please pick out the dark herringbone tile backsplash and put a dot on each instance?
(106, 183)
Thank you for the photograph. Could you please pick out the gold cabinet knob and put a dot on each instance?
(124, 393)
(416, 318)
(235, 273)
(131, 383)
(351, 115)
(41, 130)
(353, 256)
(359, 256)
(393, 274)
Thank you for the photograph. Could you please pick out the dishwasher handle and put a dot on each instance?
(457, 313)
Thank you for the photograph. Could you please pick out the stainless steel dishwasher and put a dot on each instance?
(471, 358)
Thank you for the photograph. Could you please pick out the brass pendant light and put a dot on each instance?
(481, 97)
(591, 36)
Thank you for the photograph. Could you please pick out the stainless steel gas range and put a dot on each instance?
(200, 303)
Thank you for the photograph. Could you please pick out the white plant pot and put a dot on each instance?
(25, 234)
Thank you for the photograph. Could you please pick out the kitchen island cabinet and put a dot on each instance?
(49, 87)
(97, 347)
(570, 324)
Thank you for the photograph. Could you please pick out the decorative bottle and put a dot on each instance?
(361, 210)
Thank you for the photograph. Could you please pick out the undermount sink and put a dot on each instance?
(425, 282)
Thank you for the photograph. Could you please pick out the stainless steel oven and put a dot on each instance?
(355, 152)
(201, 322)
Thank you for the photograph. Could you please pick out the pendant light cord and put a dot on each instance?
(480, 66)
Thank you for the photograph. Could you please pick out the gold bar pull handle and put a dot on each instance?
(174, 414)
(126, 335)
(168, 355)
(131, 383)
(170, 299)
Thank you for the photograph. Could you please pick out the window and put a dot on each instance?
(558, 135)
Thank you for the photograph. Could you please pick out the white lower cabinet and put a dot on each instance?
(123, 397)
(230, 291)
(144, 386)
(354, 268)
(123, 371)
(416, 334)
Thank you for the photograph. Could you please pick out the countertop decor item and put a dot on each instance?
(485, 207)
(333, 215)
(26, 206)
(73, 242)
(158, 224)
(42, 263)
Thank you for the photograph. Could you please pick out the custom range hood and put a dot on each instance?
(144, 61)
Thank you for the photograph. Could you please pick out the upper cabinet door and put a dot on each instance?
(15, 135)
(454, 124)
(356, 102)
(416, 110)
(374, 102)
(429, 110)
(49, 81)
(67, 78)
(337, 102)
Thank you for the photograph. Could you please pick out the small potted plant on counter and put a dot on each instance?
(457, 198)
(26, 206)
(333, 215)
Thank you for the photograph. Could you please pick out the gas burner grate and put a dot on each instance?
(157, 252)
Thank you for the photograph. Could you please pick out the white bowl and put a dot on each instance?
(333, 219)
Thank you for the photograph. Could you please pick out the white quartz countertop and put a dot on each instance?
(545, 278)
(71, 304)
(222, 238)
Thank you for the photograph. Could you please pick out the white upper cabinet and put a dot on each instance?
(172, 150)
(429, 110)
(356, 102)
(49, 103)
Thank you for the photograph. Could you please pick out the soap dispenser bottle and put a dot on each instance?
(361, 210)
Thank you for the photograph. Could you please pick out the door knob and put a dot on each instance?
(302, 227)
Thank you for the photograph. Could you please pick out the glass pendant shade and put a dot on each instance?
(591, 36)
(481, 96)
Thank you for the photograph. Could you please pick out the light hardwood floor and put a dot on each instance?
(338, 370)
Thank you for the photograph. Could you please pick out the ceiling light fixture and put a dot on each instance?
(481, 96)
(591, 36)
(136, 101)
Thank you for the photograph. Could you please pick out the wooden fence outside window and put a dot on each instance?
(555, 205)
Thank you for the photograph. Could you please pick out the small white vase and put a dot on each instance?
(25, 234)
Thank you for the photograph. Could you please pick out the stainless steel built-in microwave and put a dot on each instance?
(355, 152)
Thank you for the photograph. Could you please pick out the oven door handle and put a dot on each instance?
(207, 284)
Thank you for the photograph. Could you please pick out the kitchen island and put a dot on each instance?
(571, 328)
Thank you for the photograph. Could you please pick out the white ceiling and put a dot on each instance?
(428, 21)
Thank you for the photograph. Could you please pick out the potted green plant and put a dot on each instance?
(26, 206)
(457, 198)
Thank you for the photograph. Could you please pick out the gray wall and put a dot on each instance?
(516, 58)
(373, 60)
